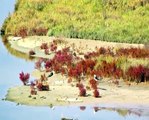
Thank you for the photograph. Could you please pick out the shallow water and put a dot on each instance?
(11, 65)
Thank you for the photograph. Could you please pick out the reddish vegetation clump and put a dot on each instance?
(46, 51)
(74, 67)
(42, 84)
(33, 91)
(42, 87)
(138, 73)
(82, 90)
(39, 86)
(48, 63)
(63, 56)
(133, 52)
(24, 77)
(82, 67)
(96, 93)
(21, 32)
(93, 84)
(79, 85)
(90, 55)
(39, 31)
(98, 52)
(44, 46)
(53, 47)
(109, 69)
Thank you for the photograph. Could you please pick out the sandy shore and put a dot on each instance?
(80, 45)
(62, 93)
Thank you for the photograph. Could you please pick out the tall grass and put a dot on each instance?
(116, 20)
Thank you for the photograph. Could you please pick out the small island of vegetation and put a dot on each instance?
(70, 67)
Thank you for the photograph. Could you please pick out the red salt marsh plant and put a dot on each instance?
(138, 73)
(128, 52)
(96, 93)
(38, 31)
(44, 46)
(109, 69)
(102, 50)
(24, 77)
(53, 47)
(39, 86)
(89, 63)
(23, 32)
(98, 52)
(74, 72)
(63, 56)
(42, 87)
(91, 55)
(93, 84)
(49, 63)
(82, 90)
(82, 67)
(57, 68)
(33, 90)
(134, 72)
(133, 52)
(60, 62)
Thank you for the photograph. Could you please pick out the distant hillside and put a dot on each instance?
(107, 20)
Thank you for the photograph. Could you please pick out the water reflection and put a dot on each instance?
(16, 53)
(68, 112)
(121, 111)
(10, 68)
(133, 113)
(82, 108)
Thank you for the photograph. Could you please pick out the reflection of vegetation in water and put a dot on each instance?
(121, 111)
(82, 108)
(16, 53)
(124, 112)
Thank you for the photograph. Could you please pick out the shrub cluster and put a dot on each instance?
(88, 19)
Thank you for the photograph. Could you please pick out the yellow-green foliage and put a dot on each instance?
(122, 62)
(107, 20)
